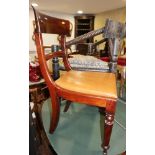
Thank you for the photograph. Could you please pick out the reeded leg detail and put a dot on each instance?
(109, 120)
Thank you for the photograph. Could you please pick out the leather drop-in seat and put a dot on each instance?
(92, 83)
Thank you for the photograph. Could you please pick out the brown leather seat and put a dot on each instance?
(92, 83)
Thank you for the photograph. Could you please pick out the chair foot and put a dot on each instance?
(105, 149)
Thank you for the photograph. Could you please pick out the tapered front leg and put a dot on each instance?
(108, 125)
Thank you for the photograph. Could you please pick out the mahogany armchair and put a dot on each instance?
(97, 89)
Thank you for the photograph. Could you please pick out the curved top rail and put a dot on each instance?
(47, 24)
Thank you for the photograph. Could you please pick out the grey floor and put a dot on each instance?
(78, 131)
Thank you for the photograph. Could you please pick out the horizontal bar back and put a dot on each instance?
(54, 54)
(47, 24)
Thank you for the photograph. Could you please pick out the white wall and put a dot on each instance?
(47, 38)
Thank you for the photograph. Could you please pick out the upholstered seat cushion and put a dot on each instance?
(93, 83)
(85, 62)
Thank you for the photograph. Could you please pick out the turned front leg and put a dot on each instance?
(108, 125)
(109, 120)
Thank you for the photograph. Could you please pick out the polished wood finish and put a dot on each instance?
(47, 24)
(49, 81)
(108, 124)
(83, 87)
(89, 83)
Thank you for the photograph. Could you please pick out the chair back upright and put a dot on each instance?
(50, 25)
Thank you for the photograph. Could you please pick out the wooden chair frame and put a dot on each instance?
(46, 24)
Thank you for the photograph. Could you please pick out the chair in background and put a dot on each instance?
(96, 89)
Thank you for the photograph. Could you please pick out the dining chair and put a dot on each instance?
(96, 89)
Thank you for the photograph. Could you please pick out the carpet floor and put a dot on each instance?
(79, 130)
